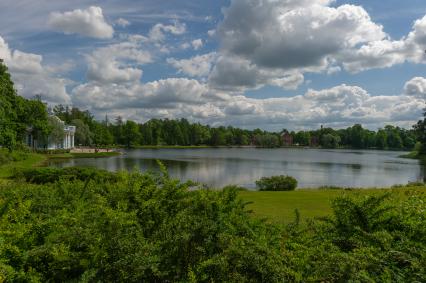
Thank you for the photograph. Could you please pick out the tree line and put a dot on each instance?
(183, 133)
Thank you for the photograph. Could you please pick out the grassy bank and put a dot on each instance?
(280, 207)
(31, 160)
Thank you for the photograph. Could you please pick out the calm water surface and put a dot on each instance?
(243, 166)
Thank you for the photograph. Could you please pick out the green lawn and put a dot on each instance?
(280, 206)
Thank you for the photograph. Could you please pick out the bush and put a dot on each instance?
(47, 175)
(143, 228)
(13, 156)
(277, 183)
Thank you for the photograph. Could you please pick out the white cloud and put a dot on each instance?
(263, 41)
(157, 32)
(31, 77)
(197, 44)
(197, 66)
(294, 34)
(416, 87)
(238, 74)
(111, 64)
(122, 22)
(89, 22)
(340, 106)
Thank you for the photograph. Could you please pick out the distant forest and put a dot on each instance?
(181, 132)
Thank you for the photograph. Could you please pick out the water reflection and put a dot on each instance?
(312, 168)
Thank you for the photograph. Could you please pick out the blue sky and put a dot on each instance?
(272, 64)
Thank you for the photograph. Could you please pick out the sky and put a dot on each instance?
(270, 64)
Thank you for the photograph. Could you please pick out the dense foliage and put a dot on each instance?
(277, 183)
(7, 156)
(18, 113)
(149, 228)
(420, 129)
(46, 175)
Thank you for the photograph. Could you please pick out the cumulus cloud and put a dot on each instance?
(31, 77)
(157, 32)
(416, 87)
(239, 74)
(197, 66)
(197, 44)
(386, 53)
(339, 106)
(122, 22)
(293, 34)
(89, 22)
(264, 41)
(110, 64)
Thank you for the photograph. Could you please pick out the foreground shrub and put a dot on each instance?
(143, 228)
(46, 175)
(277, 183)
(12, 156)
(150, 228)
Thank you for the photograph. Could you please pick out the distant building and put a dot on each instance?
(287, 139)
(48, 143)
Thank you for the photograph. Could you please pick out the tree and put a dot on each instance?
(131, 133)
(381, 139)
(420, 129)
(56, 129)
(83, 135)
(330, 141)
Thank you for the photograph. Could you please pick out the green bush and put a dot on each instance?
(46, 175)
(12, 156)
(150, 228)
(277, 183)
(143, 228)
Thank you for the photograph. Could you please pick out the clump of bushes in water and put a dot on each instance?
(150, 228)
(277, 183)
(46, 175)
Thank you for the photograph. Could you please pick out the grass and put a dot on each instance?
(280, 207)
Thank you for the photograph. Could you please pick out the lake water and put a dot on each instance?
(313, 168)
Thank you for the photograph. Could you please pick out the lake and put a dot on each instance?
(313, 168)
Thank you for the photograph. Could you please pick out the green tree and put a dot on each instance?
(330, 141)
(57, 133)
(131, 133)
(83, 135)
(420, 129)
